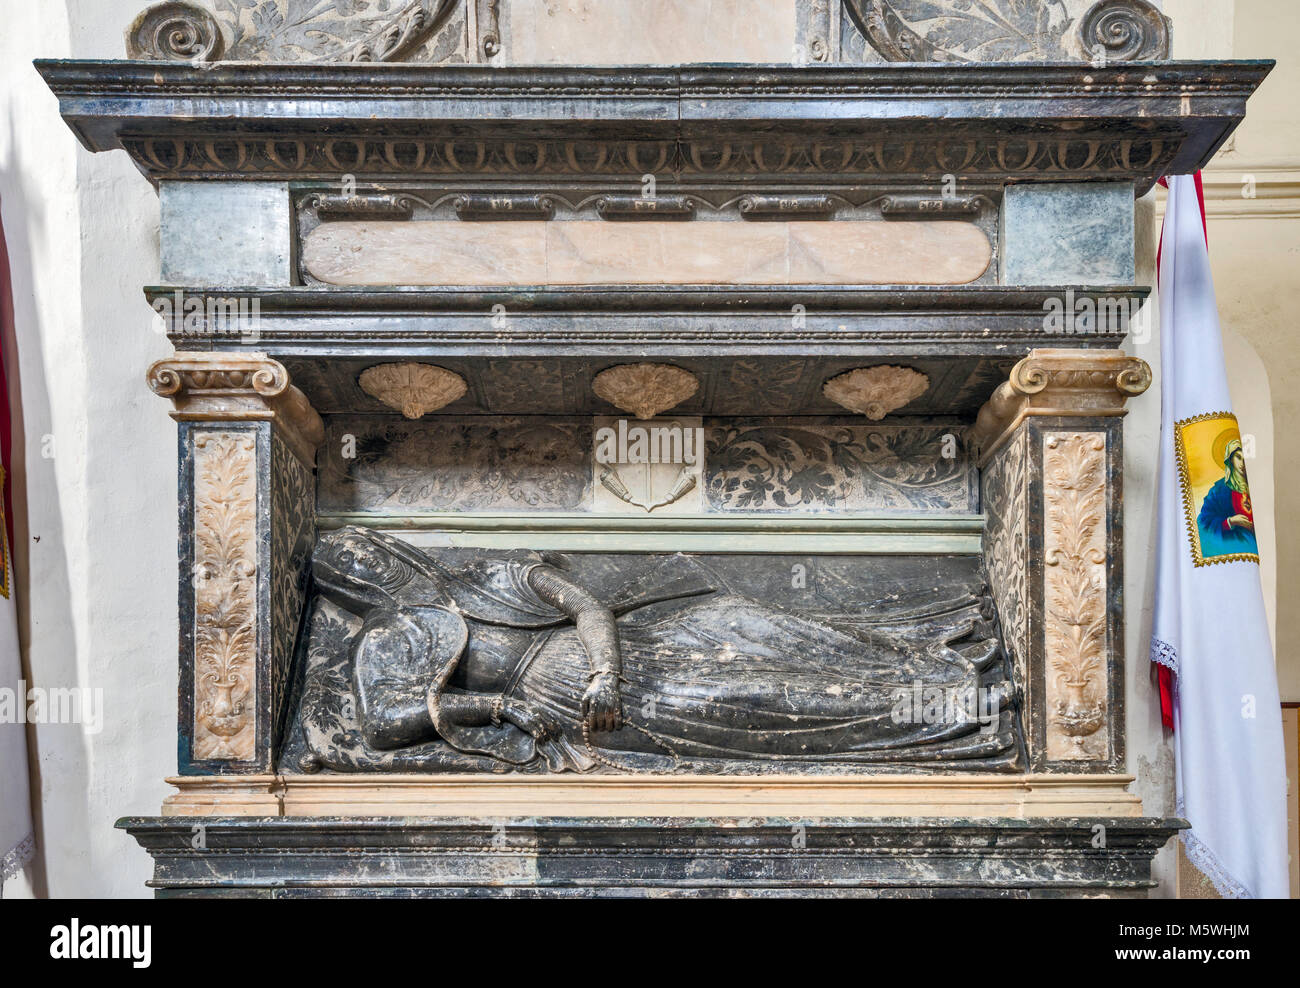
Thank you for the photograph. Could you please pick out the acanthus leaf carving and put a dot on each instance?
(1075, 611)
(225, 596)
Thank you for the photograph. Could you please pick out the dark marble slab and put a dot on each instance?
(639, 857)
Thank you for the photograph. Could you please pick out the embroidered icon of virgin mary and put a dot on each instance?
(1216, 493)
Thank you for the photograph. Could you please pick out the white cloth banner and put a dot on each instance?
(16, 846)
(1210, 627)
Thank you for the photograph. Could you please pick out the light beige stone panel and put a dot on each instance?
(801, 797)
(647, 252)
(357, 253)
(887, 253)
(664, 32)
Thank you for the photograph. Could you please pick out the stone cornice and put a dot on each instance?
(660, 323)
(236, 387)
(1069, 383)
(1133, 121)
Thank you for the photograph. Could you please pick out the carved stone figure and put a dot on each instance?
(505, 663)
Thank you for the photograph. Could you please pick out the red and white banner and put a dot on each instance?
(16, 844)
(1210, 633)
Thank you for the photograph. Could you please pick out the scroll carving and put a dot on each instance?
(1124, 31)
(1009, 30)
(225, 596)
(1075, 613)
(175, 31)
(1091, 383)
(308, 31)
(233, 387)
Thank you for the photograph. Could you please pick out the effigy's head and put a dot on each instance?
(359, 565)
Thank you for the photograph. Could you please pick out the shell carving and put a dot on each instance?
(876, 391)
(645, 390)
(412, 389)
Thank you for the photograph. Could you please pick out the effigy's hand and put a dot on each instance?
(525, 718)
(602, 707)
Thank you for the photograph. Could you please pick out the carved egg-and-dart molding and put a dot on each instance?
(412, 389)
(645, 390)
(876, 391)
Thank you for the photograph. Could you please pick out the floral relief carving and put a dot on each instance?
(645, 390)
(413, 389)
(842, 467)
(876, 391)
(1009, 30)
(1006, 547)
(1075, 614)
(225, 596)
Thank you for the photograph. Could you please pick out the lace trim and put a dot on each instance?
(1162, 653)
(1199, 854)
(16, 857)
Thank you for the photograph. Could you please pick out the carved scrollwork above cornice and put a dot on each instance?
(444, 31)
(1074, 383)
(235, 387)
(1011, 30)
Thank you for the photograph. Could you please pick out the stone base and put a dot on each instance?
(570, 857)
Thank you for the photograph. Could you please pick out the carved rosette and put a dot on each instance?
(225, 596)
(1074, 578)
(412, 389)
(876, 391)
(645, 390)
(1094, 383)
(233, 387)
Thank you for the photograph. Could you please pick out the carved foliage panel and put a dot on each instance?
(482, 463)
(1005, 502)
(826, 465)
(1075, 611)
(224, 582)
(293, 518)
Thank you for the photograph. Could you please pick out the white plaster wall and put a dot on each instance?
(96, 557)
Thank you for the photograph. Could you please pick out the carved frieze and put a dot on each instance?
(225, 595)
(1094, 383)
(1010, 30)
(436, 31)
(833, 466)
(237, 387)
(1075, 600)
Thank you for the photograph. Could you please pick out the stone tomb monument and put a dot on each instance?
(603, 472)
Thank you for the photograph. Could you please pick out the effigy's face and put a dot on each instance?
(350, 554)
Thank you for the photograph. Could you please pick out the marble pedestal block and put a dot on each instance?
(649, 857)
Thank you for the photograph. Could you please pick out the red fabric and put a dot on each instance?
(1164, 674)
